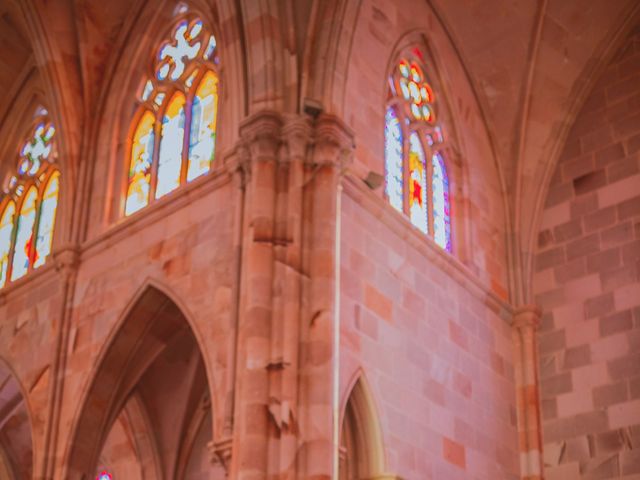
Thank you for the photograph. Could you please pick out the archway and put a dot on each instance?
(147, 414)
(16, 450)
(361, 448)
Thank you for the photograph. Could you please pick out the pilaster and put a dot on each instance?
(526, 320)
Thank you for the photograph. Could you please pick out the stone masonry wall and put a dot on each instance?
(436, 356)
(587, 283)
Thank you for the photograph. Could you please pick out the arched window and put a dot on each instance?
(28, 207)
(416, 180)
(173, 133)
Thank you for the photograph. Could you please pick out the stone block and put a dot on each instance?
(453, 452)
(583, 246)
(558, 194)
(598, 306)
(634, 388)
(577, 357)
(583, 205)
(624, 414)
(629, 208)
(606, 395)
(551, 342)
(621, 233)
(624, 367)
(570, 270)
(556, 385)
(600, 219)
(377, 302)
(600, 467)
(575, 426)
(612, 279)
(566, 471)
(589, 182)
(609, 154)
(550, 258)
(630, 461)
(622, 169)
(615, 323)
(608, 442)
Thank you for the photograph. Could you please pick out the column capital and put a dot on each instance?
(297, 134)
(261, 134)
(334, 142)
(66, 258)
(526, 316)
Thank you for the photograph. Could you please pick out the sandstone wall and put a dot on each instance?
(587, 282)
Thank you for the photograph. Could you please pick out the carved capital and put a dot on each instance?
(296, 134)
(526, 316)
(66, 258)
(220, 451)
(261, 134)
(334, 142)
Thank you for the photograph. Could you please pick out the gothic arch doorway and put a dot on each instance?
(16, 450)
(361, 448)
(147, 415)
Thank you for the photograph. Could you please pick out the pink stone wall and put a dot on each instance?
(478, 229)
(588, 285)
(431, 344)
(185, 249)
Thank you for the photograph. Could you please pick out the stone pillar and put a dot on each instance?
(283, 407)
(333, 144)
(525, 324)
(260, 135)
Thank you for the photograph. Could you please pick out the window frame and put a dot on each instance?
(169, 88)
(422, 129)
(18, 194)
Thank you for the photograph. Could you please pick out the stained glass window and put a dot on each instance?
(29, 203)
(25, 245)
(140, 165)
(104, 476)
(417, 184)
(171, 145)
(203, 126)
(48, 208)
(413, 134)
(441, 214)
(6, 232)
(393, 158)
(174, 138)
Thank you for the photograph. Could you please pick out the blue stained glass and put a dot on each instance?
(393, 159)
(441, 205)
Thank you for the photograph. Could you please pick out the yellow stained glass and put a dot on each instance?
(48, 209)
(140, 166)
(6, 231)
(171, 146)
(24, 246)
(203, 126)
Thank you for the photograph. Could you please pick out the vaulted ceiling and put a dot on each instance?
(531, 64)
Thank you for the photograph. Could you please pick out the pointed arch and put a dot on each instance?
(16, 447)
(362, 450)
(153, 335)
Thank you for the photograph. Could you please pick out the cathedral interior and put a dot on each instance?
(319, 239)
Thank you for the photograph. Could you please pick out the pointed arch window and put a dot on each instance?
(29, 204)
(416, 179)
(173, 133)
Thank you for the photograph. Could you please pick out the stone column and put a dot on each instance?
(525, 324)
(260, 134)
(332, 148)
